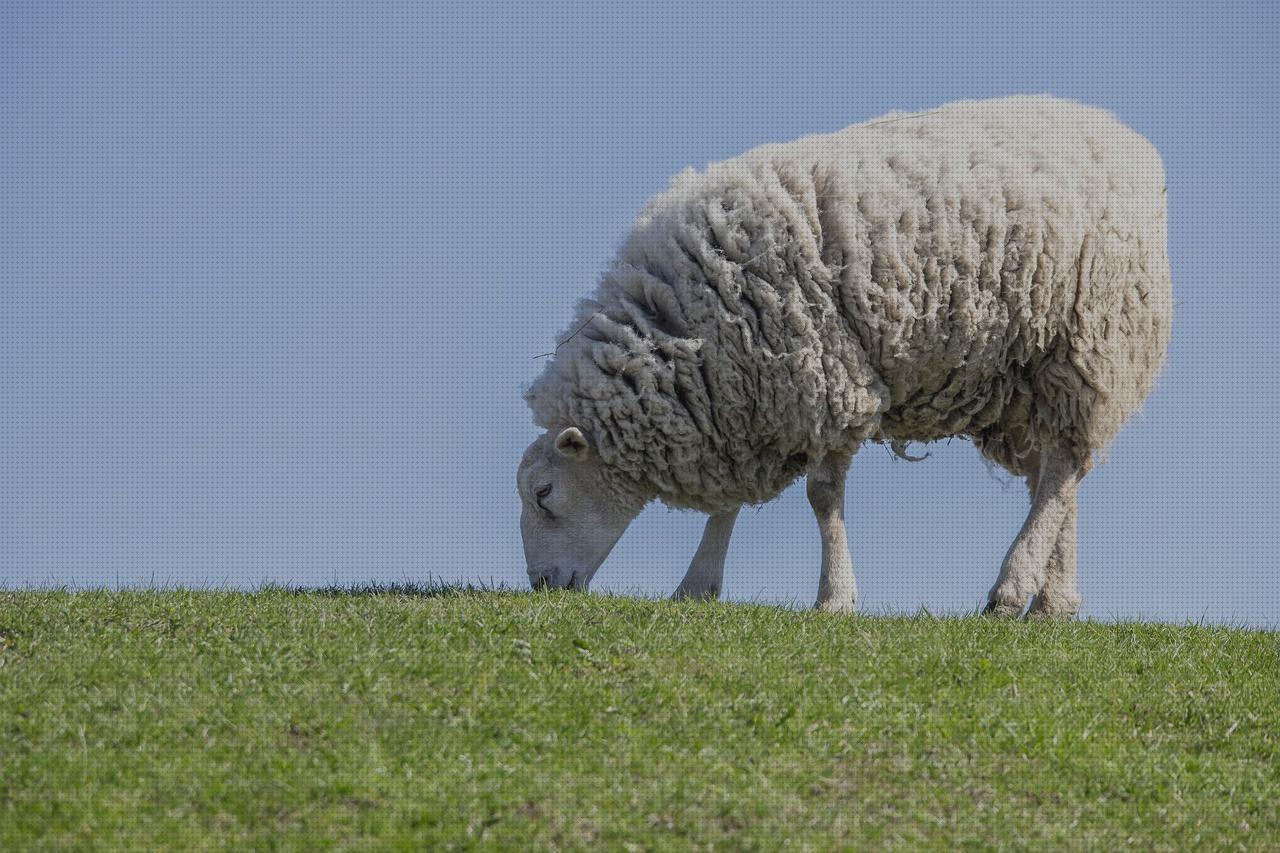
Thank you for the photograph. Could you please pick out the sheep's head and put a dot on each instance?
(571, 515)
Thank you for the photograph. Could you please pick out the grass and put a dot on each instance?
(407, 717)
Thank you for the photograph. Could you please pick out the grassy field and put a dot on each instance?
(285, 719)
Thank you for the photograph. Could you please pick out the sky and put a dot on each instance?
(273, 277)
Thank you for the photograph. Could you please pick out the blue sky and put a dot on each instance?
(272, 277)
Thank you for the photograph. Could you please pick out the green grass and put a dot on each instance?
(489, 719)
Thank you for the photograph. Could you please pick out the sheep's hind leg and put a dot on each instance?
(706, 572)
(1060, 596)
(1026, 566)
(836, 587)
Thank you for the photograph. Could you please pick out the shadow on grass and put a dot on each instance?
(406, 589)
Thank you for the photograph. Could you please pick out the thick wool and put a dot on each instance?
(993, 269)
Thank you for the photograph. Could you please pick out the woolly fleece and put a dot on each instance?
(993, 269)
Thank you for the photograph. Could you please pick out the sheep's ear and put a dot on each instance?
(572, 444)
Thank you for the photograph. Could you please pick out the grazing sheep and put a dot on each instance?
(993, 269)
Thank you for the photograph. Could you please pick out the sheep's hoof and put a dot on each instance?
(709, 594)
(1056, 607)
(1003, 609)
(834, 605)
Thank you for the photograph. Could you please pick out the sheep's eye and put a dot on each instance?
(540, 493)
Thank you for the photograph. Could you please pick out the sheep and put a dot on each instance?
(989, 269)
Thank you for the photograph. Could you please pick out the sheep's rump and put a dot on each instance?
(995, 269)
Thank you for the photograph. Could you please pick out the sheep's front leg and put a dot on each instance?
(836, 587)
(1024, 570)
(706, 572)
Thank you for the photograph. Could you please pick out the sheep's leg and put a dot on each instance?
(706, 572)
(836, 587)
(1026, 564)
(1059, 596)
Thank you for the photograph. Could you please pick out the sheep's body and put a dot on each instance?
(994, 269)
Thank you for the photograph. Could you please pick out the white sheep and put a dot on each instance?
(993, 269)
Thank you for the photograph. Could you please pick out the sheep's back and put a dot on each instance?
(976, 253)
